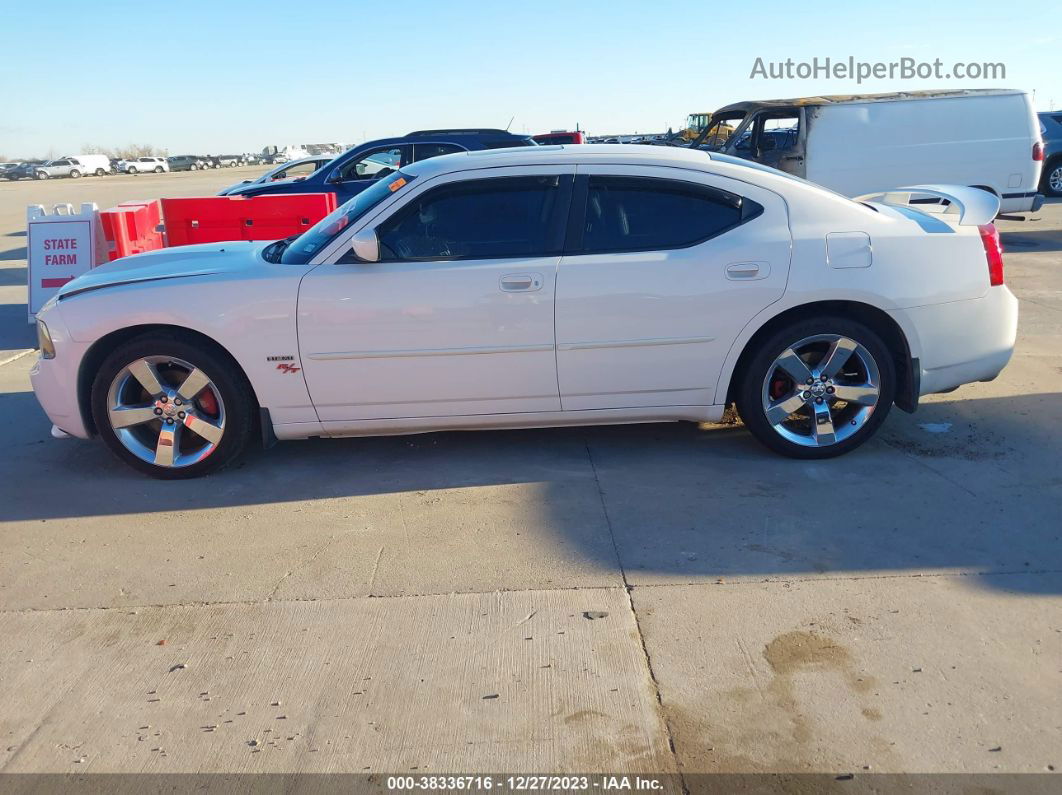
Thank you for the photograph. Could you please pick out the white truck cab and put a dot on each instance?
(859, 144)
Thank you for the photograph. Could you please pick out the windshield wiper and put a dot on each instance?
(274, 251)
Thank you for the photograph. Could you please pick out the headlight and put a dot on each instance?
(44, 340)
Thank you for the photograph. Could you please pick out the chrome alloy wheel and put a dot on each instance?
(821, 390)
(166, 411)
(1054, 180)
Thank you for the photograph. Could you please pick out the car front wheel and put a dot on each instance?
(817, 388)
(172, 407)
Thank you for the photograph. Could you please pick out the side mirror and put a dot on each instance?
(366, 245)
(335, 176)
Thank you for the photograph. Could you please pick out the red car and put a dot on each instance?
(560, 137)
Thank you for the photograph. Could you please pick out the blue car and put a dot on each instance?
(357, 168)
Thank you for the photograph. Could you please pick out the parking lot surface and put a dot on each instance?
(650, 598)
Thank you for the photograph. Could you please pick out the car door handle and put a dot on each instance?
(521, 282)
(747, 270)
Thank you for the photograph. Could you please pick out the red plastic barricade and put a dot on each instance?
(220, 218)
(132, 227)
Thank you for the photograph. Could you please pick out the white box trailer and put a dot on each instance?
(860, 144)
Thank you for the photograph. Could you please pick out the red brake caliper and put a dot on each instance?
(208, 403)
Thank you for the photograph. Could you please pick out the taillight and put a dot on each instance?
(1038, 151)
(993, 252)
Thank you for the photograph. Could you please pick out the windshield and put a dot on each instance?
(723, 126)
(302, 249)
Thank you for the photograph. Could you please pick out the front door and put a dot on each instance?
(456, 318)
(776, 138)
(663, 269)
(360, 172)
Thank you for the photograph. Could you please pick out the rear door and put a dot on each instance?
(662, 269)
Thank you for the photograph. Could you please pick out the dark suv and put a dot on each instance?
(1051, 179)
(356, 169)
(186, 163)
(24, 170)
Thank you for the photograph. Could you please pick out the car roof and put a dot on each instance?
(853, 99)
(628, 154)
(676, 157)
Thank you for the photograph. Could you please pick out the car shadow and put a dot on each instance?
(15, 329)
(13, 254)
(963, 486)
(1035, 240)
(13, 276)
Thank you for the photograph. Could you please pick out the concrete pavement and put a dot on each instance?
(762, 614)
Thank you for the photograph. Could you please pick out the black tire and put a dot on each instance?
(193, 167)
(750, 386)
(1052, 170)
(132, 171)
(100, 172)
(236, 394)
(75, 174)
(41, 175)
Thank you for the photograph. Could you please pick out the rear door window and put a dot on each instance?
(425, 151)
(646, 214)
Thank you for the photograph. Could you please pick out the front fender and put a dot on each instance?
(253, 319)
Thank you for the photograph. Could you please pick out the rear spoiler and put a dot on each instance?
(973, 205)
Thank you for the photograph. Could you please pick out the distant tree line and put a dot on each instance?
(126, 152)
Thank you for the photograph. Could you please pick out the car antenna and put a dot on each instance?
(510, 124)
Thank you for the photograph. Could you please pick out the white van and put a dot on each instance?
(861, 144)
(92, 164)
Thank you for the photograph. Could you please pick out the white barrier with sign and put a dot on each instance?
(60, 246)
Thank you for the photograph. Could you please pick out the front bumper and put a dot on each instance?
(55, 380)
(965, 341)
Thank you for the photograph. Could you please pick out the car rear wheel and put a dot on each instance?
(172, 407)
(75, 174)
(1052, 181)
(193, 167)
(131, 170)
(817, 388)
(100, 172)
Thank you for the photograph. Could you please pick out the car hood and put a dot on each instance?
(254, 188)
(170, 263)
(230, 188)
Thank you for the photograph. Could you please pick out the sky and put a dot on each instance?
(236, 76)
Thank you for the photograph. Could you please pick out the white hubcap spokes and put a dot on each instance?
(821, 390)
(166, 411)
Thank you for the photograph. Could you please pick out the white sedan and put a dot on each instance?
(539, 287)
